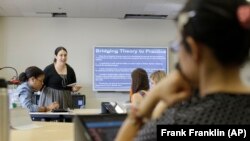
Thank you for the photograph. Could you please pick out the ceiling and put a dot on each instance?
(90, 8)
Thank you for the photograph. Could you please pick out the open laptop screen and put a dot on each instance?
(103, 127)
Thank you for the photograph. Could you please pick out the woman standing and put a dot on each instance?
(58, 76)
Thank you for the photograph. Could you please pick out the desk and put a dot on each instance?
(50, 131)
(63, 116)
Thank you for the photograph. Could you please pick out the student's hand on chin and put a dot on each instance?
(171, 90)
(178, 87)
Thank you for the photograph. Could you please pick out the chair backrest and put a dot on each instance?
(79, 100)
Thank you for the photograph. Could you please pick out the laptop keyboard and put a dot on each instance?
(105, 134)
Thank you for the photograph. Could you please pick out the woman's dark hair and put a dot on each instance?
(216, 25)
(59, 49)
(139, 80)
(32, 71)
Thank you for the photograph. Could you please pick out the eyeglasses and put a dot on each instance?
(174, 45)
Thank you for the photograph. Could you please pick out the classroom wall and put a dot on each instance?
(1, 42)
(32, 41)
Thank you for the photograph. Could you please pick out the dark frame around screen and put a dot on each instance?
(112, 65)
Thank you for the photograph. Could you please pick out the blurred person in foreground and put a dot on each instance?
(214, 43)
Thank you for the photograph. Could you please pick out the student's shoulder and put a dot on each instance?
(23, 87)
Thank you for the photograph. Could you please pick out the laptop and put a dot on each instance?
(101, 127)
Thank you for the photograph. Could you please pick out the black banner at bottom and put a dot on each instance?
(221, 132)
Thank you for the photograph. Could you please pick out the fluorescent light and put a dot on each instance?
(144, 16)
(59, 14)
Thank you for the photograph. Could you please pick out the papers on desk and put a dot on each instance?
(21, 120)
(71, 85)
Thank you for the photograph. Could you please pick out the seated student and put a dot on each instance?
(214, 44)
(155, 78)
(31, 81)
(139, 85)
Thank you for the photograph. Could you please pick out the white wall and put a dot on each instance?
(32, 41)
(1, 42)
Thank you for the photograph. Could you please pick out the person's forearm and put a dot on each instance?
(147, 105)
(42, 109)
(26, 103)
(159, 109)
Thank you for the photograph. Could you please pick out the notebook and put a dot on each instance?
(102, 127)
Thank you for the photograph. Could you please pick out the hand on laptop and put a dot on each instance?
(52, 106)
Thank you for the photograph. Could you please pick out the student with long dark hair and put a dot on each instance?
(32, 81)
(139, 85)
(213, 45)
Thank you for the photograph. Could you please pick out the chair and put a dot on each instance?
(79, 100)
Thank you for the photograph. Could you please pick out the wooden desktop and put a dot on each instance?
(49, 131)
